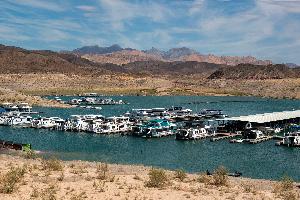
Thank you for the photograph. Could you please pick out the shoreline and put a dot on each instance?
(70, 179)
(63, 84)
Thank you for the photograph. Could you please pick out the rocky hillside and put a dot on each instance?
(119, 56)
(256, 72)
(172, 68)
(122, 57)
(18, 60)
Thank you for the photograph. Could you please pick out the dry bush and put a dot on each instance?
(180, 174)
(99, 186)
(61, 176)
(220, 177)
(136, 177)
(52, 165)
(80, 196)
(30, 154)
(248, 188)
(157, 178)
(35, 193)
(102, 171)
(204, 178)
(9, 181)
(285, 189)
(49, 193)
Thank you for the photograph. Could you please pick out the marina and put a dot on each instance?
(114, 147)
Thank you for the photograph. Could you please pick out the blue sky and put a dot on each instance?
(267, 29)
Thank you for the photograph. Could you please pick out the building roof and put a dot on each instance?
(267, 117)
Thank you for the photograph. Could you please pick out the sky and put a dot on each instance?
(266, 29)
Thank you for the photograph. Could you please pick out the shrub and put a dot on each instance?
(100, 186)
(180, 174)
(220, 177)
(30, 154)
(157, 178)
(52, 165)
(248, 187)
(61, 177)
(102, 171)
(49, 193)
(284, 189)
(204, 178)
(10, 179)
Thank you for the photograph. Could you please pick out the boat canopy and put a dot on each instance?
(266, 117)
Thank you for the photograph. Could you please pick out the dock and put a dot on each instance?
(259, 140)
(224, 136)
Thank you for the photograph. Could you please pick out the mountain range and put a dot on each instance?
(117, 55)
(15, 60)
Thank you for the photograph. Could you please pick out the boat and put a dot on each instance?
(292, 137)
(15, 146)
(157, 128)
(191, 134)
(18, 121)
(212, 113)
(236, 141)
(252, 134)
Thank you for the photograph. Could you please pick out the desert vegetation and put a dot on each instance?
(51, 179)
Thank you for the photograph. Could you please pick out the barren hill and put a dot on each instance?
(18, 60)
(256, 72)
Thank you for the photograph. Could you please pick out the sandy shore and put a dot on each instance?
(76, 180)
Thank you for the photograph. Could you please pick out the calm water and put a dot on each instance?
(264, 160)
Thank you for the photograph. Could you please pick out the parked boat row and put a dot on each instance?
(89, 101)
(161, 122)
(23, 108)
(148, 123)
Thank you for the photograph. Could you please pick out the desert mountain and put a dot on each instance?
(119, 56)
(18, 60)
(122, 57)
(14, 60)
(256, 72)
(98, 50)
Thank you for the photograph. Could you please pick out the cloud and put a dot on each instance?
(86, 8)
(279, 6)
(12, 34)
(196, 7)
(47, 5)
(118, 12)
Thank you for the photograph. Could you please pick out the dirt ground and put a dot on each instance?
(76, 180)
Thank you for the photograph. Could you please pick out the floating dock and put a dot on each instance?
(259, 140)
(223, 136)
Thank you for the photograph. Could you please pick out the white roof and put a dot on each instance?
(266, 117)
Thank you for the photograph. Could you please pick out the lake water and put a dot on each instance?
(264, 160)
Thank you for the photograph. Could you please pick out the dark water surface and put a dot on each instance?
(264, 160)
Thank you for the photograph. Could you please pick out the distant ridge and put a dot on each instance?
(292, 65)
(98, 50)
(117, 55)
